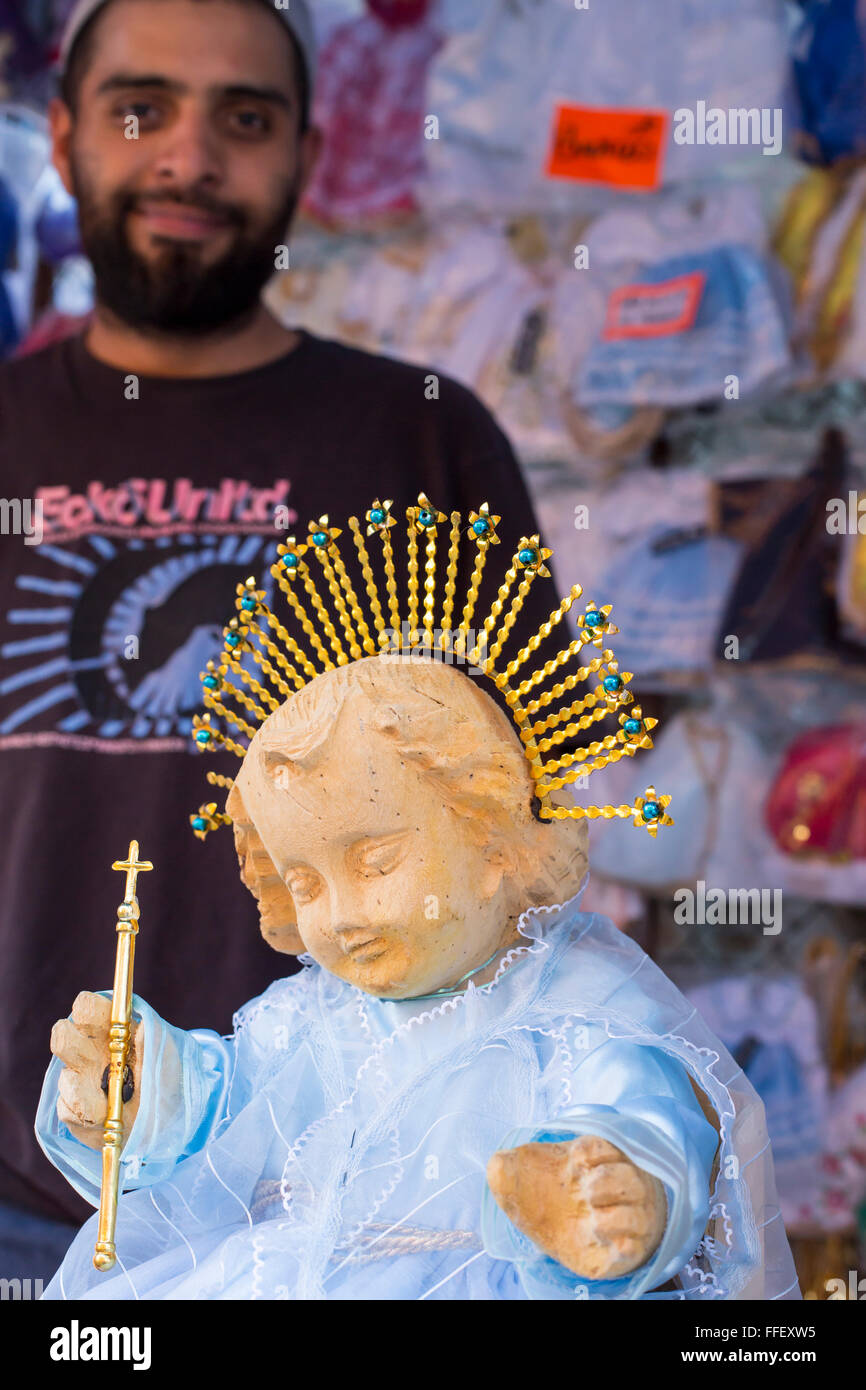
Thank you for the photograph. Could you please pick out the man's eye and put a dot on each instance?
(144, 112)
(249, 122)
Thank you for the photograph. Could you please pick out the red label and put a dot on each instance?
(654, 311)
(607, 146)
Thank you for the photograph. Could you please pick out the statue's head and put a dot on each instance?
(383, 819)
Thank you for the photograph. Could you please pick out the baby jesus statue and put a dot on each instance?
(472, 1089)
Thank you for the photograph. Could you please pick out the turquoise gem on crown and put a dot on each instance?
(651, 810)
(481, 526)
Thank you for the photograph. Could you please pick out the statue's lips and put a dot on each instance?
(361, 946)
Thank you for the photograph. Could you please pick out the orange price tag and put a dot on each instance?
(607, 146)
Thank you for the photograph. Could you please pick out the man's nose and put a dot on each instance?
(190, 154)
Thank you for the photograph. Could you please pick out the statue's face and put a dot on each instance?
(276, 905)
(391, 893)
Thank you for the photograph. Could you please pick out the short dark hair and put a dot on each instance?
(81, 54)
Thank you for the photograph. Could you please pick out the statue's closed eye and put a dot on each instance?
(377, 857)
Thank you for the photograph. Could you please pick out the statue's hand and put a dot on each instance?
(81, 1044)
(582, 1202)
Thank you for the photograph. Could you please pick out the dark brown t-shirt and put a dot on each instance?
(153, 509)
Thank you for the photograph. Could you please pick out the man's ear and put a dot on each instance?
(311, 148)
(60, 123)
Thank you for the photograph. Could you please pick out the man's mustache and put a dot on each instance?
(226, 212)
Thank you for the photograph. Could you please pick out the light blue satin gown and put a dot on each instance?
(335, 1146)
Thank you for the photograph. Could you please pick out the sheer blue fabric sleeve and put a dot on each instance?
(184, 1085)
(641, 1100)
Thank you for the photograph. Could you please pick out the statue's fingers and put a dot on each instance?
(589, 1150)
(627, 1220)
(72, 1047)
(91, 1135)
(84, 1097)
(68, 1117)
(609, 1184)
(597, 1258)
(92, 1014)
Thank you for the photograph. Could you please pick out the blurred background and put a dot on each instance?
(643, 244)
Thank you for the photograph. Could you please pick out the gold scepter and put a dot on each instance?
(104, 1255)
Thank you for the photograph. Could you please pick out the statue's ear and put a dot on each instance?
(500, 861)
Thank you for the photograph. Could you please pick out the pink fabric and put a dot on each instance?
(50, 328)
(370, 93)
(396, 13)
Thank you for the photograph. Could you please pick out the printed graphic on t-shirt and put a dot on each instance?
(113, 615)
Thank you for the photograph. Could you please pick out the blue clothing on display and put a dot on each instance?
(9, 334)
(830, 67)
(686, 571)
(336, 1145)
(739, 329)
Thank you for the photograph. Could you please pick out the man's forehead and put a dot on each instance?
(216, 44)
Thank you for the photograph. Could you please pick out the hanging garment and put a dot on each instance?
(820, 239)
(370, 104)
(688, 329)
(673, 584)
(543, 106)
(770, 1026)
(781, 603)
(829, 50)
(713, 765)
(591, 528)
(817, 804)
(851, 581)
(8, 239)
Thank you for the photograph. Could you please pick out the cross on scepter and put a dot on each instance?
(118, 1074)
(133, 866)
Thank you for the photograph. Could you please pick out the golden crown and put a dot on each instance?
(257, 638)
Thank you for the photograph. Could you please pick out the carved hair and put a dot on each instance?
(451, 730)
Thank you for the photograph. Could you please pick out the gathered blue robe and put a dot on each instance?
(335, 1146)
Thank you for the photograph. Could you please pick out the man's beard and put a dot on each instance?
(174, 292)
